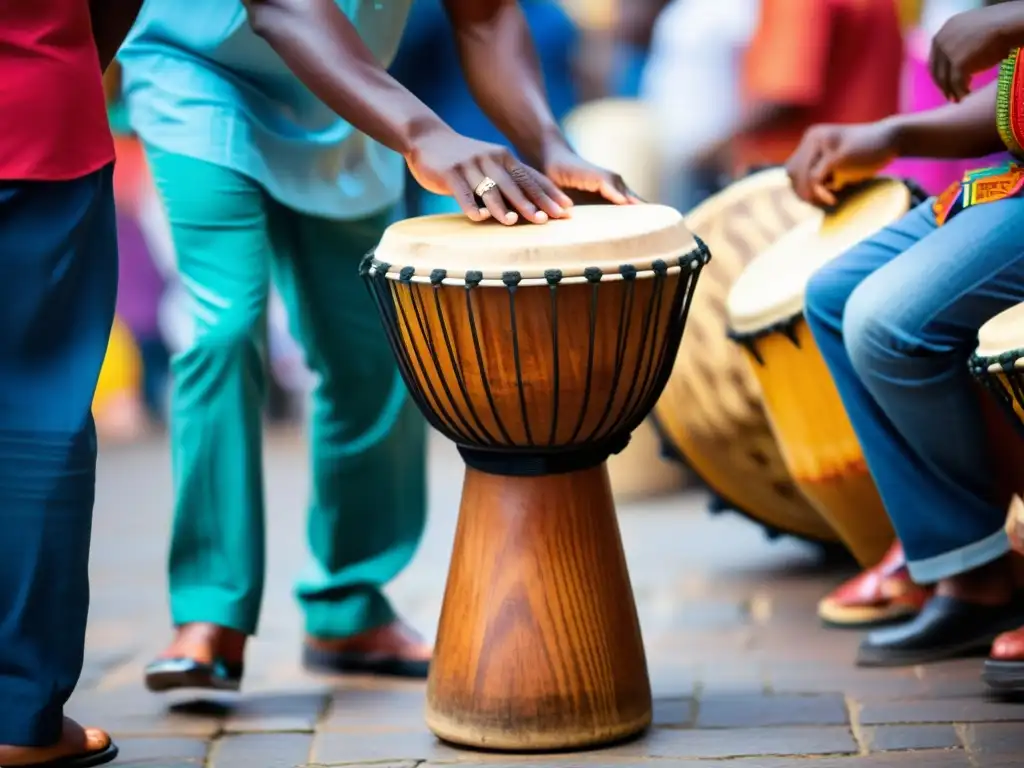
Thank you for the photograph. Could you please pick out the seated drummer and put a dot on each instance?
(896, 319)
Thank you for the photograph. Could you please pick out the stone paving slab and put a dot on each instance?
(743, 674)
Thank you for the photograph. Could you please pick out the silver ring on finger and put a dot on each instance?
(485, 186)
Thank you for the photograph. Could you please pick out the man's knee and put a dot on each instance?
(826, 296)
(887, 334)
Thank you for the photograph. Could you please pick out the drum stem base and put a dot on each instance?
(539, 644)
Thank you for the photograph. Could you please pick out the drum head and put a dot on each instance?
(1001, 336)
(601, 236)
(711, 412)
(771, 289)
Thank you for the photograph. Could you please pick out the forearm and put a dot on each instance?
(111, 22)
(323, 49)
(956, 130)
(501, 68)
(1011, 23)
(768, 117)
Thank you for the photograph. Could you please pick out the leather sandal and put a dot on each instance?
(883, 594)
(101, 755)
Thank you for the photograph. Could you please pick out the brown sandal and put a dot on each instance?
(881, 595)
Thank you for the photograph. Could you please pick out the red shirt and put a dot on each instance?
(53, 116)
(841, 58)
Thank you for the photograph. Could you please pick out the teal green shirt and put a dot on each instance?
(199, 82)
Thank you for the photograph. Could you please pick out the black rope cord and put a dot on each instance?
(749, 339)
(1006, 390)
(418, 331)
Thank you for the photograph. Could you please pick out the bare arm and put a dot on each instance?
(320, 45)
(111, 21)
(960, 130)
(501, 68)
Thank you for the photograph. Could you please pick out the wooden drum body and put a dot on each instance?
(537, 350)
(711, 412)
(765, 314)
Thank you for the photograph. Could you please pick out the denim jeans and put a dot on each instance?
(896, 319)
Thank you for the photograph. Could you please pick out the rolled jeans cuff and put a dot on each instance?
(958, 561)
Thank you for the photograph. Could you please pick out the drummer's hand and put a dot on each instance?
(447, 163)
(570, 171)
(968, 43)
(831, 156)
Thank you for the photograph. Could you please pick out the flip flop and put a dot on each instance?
(172, 674)
(84, 760)
(879, 596)
(318, 660)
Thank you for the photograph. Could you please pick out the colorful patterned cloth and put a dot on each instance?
(987, 185)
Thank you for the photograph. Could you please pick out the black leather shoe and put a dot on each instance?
(946, 628)
(171, 674)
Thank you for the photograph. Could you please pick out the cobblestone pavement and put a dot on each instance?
(742, 673)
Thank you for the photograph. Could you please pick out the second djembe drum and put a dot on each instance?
(537, 350)
(765, 312)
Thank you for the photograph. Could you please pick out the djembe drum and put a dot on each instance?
(765, 314)
(710, 412)
(537, 350)
(998, 366)
(998, 360)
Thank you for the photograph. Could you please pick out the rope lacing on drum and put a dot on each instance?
(553, 278)
(430, 361)
(1007, 393)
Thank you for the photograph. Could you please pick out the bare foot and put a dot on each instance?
(204, 642)
(75, 740)
(397, 640)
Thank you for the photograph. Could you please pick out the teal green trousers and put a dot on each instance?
(367, 507)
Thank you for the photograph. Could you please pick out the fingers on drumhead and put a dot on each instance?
(465, 197)
(514, 193)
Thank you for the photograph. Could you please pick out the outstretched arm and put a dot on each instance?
(504, 75)
(111, 21)
(321, 46)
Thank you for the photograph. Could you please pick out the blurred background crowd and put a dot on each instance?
(658, 90)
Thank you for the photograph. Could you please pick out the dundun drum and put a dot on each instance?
(710, 412)
(765, 313)
(537, 350)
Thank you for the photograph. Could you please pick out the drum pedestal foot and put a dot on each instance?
(539, 644)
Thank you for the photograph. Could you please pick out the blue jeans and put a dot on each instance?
(58, 285)
(896, 319)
